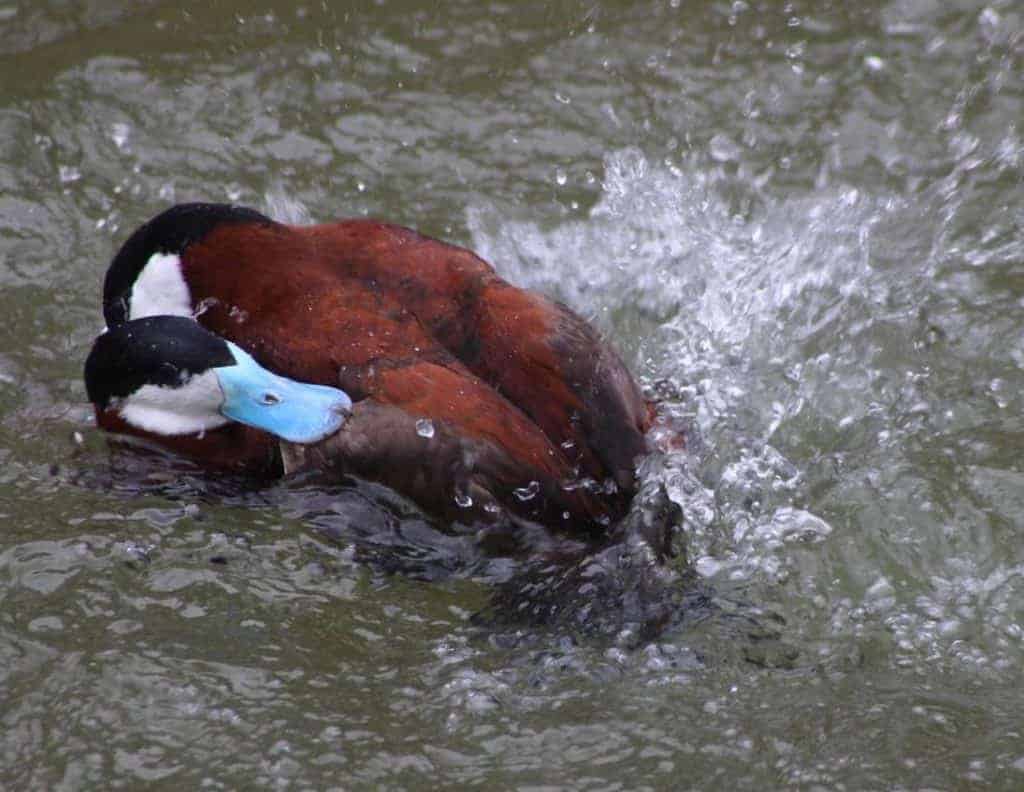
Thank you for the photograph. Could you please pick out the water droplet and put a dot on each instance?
(360, 186)
(205, 305)
(560, 177)
(462, 500)
(119, 134)
(528, 492)
(996, 388)
(723, 149)
(425, 428)
(562, 99)
(68, 174)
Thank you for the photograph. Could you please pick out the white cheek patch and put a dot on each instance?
(160, 289)
(185, 409)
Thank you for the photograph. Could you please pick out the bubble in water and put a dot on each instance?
(68, 174)
(528, 492)
(119, 134)
(462, 500)
(723, 149)
(561, 177)
(996, 388)
(425, 427)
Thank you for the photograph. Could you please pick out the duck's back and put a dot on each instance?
(535, 351)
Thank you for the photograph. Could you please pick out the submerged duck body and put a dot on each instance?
(471, 396)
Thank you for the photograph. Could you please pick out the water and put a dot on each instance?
(800, 222)
(425, 427)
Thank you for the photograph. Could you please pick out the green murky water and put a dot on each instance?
(807, 218)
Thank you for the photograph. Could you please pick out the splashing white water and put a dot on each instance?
(284, 207)
(751, 318)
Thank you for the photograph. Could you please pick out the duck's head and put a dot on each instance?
(148, 275)
(168, 376)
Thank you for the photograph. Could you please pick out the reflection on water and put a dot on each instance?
(800, 223)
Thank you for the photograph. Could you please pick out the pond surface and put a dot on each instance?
(804, 221)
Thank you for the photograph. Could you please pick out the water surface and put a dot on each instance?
(803, 221)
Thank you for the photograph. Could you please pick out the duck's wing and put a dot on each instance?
(537, 352)
(553, 365)
(451, 469)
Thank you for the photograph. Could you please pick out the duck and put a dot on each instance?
(386, 354)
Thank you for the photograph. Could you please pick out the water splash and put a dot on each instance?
(747, 312)
(800, 337)
(529, 492)
(779, 330)
(284, 207)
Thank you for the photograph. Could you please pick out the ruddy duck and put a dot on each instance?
(472, 396)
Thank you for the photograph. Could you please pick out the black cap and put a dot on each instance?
(156, 350)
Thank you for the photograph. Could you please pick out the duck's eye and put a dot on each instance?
(270, 398)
